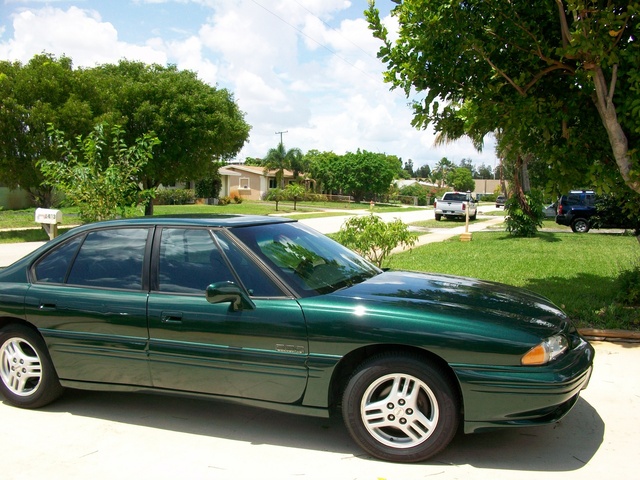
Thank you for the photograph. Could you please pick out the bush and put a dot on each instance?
(174, 196)
(524, 221)
(629, 285)
(226, 200)
(374, 239)
(415, 190)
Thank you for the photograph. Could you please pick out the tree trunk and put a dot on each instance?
(617, 138)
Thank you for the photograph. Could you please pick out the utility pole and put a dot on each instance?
(281, 133)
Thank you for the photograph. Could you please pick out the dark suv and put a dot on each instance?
(575, 210)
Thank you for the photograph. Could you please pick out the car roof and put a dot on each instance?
(192, 220)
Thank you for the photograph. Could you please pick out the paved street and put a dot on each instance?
(100, 435)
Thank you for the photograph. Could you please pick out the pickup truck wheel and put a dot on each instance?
(438, 217)
(474, 216)
(580, 225)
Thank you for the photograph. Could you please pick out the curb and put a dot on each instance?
(598, 334)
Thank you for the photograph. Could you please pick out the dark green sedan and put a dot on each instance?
(268, 312)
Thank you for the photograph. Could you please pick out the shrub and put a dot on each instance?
(524, 220)
(374, 239)
(174, 196)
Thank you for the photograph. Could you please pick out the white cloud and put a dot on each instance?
(78, 34)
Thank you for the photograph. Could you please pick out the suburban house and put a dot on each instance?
(250, 182)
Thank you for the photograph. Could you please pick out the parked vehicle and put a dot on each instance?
(500, 201)
(454, 204)
(267, 312)
(550, 211)
(575, 210)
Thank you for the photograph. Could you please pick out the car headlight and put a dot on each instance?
(546, 351)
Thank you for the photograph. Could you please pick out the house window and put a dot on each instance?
(244, 182)
(273, 183)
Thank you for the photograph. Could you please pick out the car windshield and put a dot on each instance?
(309, 261)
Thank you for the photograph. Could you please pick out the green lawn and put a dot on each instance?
(577, 272)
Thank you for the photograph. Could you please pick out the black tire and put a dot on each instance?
(438, 217)
(27, 376)
(474, 216)
(580, 225)
(417, 403)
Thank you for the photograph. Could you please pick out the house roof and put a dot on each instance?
(255, 170)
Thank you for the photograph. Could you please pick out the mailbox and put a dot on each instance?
(49, 219)
(48, 215)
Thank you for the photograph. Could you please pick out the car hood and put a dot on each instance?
(447, 296)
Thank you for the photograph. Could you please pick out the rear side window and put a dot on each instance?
(111, 259)
(54, 267)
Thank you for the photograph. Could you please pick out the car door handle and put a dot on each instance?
(48, 306)
(171, 317)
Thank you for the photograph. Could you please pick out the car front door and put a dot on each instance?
(258, 353)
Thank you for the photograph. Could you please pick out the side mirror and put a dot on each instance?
(229, 292)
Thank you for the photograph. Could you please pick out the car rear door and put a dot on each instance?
(196, 346)
(89, 300)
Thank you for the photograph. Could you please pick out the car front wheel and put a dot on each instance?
(580, 225)
(401, 408)
(27, 376)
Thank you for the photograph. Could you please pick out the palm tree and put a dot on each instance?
(280, 158)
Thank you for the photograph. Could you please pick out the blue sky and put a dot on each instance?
(305, 67)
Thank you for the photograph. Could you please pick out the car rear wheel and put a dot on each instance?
(27, 376)
(400, 408)
(438, 217)
(580, 225)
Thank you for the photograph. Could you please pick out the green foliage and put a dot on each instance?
(529, 73)
(276, 195)
(195, 122)
(461, 180)
(209, 186)
(97, 177)
(374, 239)
(629, 285)
(295, 192)
(174, 196)
(416, 190)
(279, 159)
(45, 90)
(525, 214)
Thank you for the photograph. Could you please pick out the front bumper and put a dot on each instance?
(496, 397)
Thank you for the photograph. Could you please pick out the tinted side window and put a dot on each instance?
(111, 259)
(257, 283)
(190, 261)
(54, 267)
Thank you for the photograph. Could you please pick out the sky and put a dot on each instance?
(306, 68)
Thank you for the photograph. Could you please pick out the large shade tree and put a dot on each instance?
(43, 91)
(559, 80)
(196, 124)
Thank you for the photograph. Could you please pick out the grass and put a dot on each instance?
(446, 223)
(577, 272)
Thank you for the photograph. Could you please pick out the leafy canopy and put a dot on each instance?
(99, 177)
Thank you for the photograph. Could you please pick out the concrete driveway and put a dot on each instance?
(96, 435)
